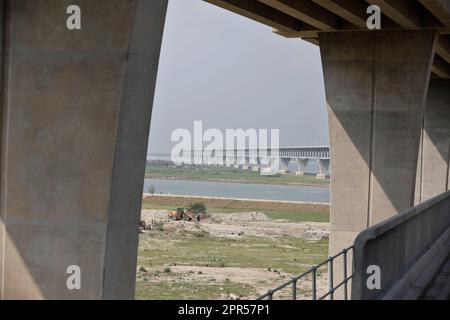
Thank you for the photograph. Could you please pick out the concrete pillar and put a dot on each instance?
(253, 162)
(324, 166)
(376, 84)
(283, 165)
(264, 161)
(418, 187)
(230, 161)
(198, 157)
(76, 113)
(302, 164)
(433, 168)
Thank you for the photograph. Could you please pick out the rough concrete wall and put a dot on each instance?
(75, 121)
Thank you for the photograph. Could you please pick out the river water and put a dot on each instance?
(240, 190)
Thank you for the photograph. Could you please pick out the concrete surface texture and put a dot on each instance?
(411, 250)
(376, 92)
(433, 168)
(75, 123)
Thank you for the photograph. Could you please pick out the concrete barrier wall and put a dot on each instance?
(408, 249)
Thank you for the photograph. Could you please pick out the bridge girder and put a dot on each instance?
(306, 18)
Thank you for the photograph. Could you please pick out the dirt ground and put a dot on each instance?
(248, 276)
(242, 223)
(239, 204)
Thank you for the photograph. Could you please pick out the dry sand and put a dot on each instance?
(243, 223)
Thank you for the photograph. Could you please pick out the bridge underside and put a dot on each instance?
(307, 18)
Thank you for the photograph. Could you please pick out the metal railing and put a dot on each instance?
(314, 272)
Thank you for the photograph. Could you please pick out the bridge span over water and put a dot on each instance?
(265, 161)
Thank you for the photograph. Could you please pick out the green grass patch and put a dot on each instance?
(229, 174)
(288, 254)
(299, 216)
(177, 289)
(272, 214)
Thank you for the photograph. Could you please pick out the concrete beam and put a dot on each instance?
(407, 14)
(306, 11)
(440, 9)
(443, 47)
(77, 105)
(264, 14)
(354, 11)
(441, 68)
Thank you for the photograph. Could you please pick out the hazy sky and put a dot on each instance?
(231, 72)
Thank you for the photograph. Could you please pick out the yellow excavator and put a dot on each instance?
(182, 214)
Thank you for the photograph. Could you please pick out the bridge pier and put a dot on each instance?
(324, 165)
(77, 105)
(230, 161)
(240, 159)
(433, 163)
(283, 165)
(302, 164)
(253, 163)
(375, 90)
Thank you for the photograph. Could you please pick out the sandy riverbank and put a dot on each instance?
(241, 204)
(304, 184)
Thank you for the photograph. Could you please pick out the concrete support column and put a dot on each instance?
(75, 122)
(230, 161)
(246, 163)
(433, 167)
(264, 161)
(376, 85)
(198, 157)
(253, 163)
(283, 165)
(324, 166)
(302, 164)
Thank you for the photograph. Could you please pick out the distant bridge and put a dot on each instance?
(284, 152)
(264, 160)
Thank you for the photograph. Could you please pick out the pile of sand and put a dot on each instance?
(240, 216)
(148, 215)
(242, 224)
